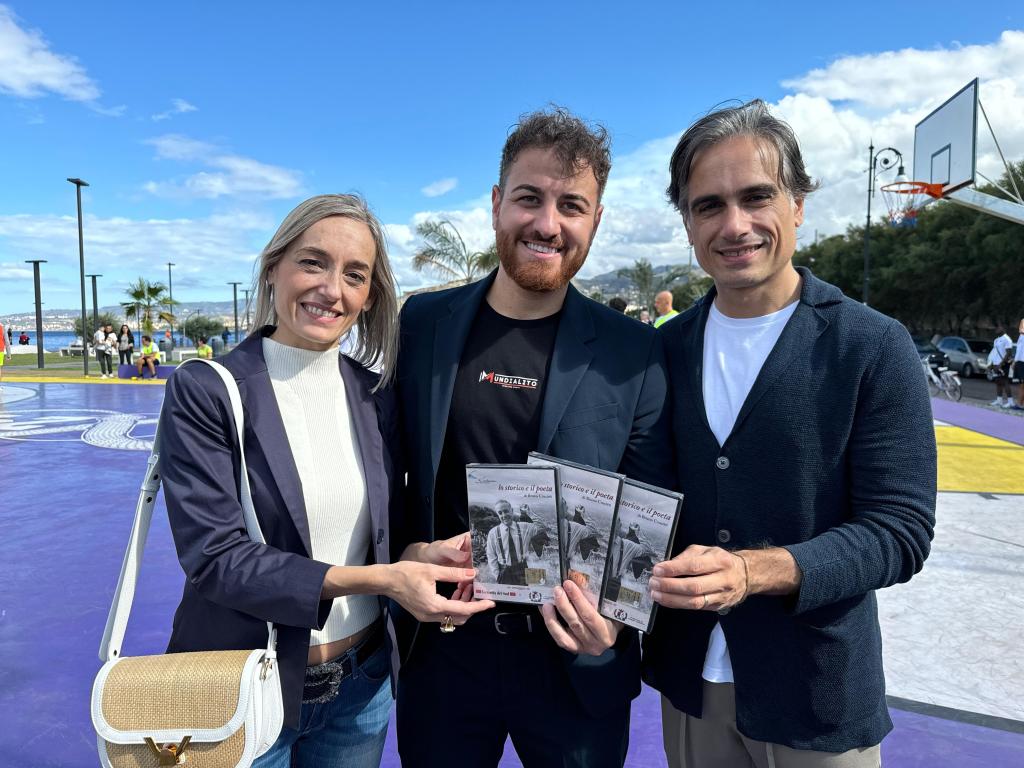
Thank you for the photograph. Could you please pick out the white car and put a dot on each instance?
(966, 356)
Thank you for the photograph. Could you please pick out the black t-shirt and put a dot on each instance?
(496, 404)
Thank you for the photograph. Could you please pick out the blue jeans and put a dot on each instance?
(347, 732)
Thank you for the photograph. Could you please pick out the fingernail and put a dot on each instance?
(656, 595)
(658, 570)
(469, 573)
(559, 592)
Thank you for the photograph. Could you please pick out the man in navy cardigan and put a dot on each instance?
(806, 452)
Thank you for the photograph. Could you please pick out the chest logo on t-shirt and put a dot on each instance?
(509, 382)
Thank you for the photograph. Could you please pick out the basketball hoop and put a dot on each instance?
(905, 198)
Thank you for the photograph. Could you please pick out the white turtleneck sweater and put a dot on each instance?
(311, 397)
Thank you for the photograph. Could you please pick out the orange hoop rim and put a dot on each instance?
(914, 188)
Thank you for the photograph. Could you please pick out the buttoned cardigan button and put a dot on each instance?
(722, 462)
(724, 536)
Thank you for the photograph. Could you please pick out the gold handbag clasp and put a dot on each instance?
(169, 754)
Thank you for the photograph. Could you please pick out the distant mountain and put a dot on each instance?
(610, 284)
(63, 319)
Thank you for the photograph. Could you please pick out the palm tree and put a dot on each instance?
(646, 283)
(445, 253)
(146, 300)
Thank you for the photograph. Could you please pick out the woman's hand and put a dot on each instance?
(414, 586)
(456, 551)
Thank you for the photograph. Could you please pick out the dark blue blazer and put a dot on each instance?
(832, 457)
(604, 405)
(233, 585)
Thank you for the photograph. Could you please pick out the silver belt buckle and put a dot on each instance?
(497, 621)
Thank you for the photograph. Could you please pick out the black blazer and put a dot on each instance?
(604, 405)
(234, 586)
(832, 457)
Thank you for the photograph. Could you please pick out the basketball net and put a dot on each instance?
(904, 199)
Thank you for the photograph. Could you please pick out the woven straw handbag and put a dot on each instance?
(208, 709)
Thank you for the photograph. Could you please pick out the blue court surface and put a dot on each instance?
(72, 457)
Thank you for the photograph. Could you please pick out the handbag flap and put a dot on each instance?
(155, 696)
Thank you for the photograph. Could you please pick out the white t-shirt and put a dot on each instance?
(734, 352)
(1018, 356)
(999, 347)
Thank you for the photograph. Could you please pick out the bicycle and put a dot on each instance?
(943, 380)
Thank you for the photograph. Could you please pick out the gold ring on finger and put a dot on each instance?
(447, 625)
(705, 603)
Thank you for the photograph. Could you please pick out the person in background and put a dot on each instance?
(663, 306)
(645, 317)
(322, 449)
(5, 347)
(1018, 366)
(224, 336)
(111, 343)
(104, 352)
(217, 344)
(148, 356)
(1000, 358)
(10, 336)
(617, 303)
(125, 345)
(204, 350)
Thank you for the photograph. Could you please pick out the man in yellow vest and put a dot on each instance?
(3, 350)
(663, 306)
(148, 357)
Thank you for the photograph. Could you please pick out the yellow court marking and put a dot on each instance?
(973, 462)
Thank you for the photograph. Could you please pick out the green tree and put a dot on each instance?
(106, 318)
(200, 325)
(444, 252)
(685, 294)
(146, 302)
(647, 284)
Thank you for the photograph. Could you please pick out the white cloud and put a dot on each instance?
(440, 187)
(178, 107)
(233, 175)
(206, 252)
(29, 69)
(835, 111)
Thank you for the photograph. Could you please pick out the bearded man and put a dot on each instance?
(487, 372)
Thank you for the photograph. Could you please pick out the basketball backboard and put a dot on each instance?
(945, 142)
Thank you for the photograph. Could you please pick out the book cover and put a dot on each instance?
(587, 507)
(513, 520)
(642, 533)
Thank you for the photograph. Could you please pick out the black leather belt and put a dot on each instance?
(323, 680)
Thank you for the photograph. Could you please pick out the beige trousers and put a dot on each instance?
(712, 741)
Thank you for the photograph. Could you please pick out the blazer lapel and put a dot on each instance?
(263, 418)
(569, 362)
(450, 333)
(363, 409)
(691, 338)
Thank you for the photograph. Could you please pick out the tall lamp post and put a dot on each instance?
(234, 288)
(39, 312)
(886, 158)
(81, 265)
(95, 304)
(170, 299)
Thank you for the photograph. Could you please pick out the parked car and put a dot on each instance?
(968, 356)
(928, 351)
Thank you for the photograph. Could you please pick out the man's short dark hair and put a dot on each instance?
(147, 338)
(576, 144)
(750, 119)
(617, 303)
(202, 339)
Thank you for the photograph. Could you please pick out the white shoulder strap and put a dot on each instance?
(117, 619)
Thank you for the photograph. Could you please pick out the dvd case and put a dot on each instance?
(513, 521)
(642, 533)
(587, 508)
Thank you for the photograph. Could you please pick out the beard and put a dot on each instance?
(537, 275)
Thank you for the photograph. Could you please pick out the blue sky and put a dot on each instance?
(199, 125)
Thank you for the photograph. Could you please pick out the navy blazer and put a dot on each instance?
(604, 405)
(832, 457)
(233, 585)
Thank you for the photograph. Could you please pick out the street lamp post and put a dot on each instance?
(234, 288)
(40, 363)
(170, 299)
(81, 265)
(886, 158)
(95, 304)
